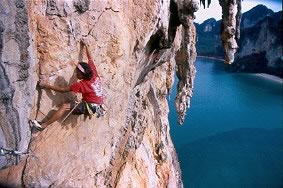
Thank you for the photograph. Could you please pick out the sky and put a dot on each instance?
(214, 10)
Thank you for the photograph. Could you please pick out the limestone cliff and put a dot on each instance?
(134, 51)
(136, 46)
(261, 47)
(17, 78)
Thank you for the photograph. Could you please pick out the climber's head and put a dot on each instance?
(83, 71)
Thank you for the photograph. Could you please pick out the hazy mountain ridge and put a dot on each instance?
(260, 47)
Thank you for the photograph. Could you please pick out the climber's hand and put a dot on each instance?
(44, 84)
(84, 41)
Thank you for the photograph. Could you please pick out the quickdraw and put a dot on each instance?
(4, 152)
(100, 110)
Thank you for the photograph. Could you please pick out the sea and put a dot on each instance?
(233, 133)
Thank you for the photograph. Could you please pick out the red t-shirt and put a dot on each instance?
(91, 90)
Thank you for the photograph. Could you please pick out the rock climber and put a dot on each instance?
(89, 86)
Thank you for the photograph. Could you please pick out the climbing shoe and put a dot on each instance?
(37, 125)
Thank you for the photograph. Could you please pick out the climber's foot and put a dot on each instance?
(37, 125)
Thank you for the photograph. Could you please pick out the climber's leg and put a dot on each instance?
(58, 114)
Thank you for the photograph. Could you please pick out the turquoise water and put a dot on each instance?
(233, 132)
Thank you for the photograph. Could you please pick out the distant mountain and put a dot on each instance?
(209, 39)
(260, 45)
(254, 15)
(209, 36)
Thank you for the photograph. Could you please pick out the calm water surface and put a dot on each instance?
(233, 132)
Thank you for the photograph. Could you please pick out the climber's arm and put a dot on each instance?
(53, 87)
(88, 53)
(89, 56)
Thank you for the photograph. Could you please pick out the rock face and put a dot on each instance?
(17, 78)
(134, 50)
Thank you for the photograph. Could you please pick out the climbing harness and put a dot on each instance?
(88, 108)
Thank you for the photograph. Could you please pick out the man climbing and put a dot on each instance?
(89, 86)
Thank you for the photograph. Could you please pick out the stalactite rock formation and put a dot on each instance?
(231, 17)
(185, 58)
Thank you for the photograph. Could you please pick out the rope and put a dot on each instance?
(71, 111)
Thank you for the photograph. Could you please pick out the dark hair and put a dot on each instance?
(87, 74)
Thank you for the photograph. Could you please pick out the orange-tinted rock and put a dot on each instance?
(134, 45)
